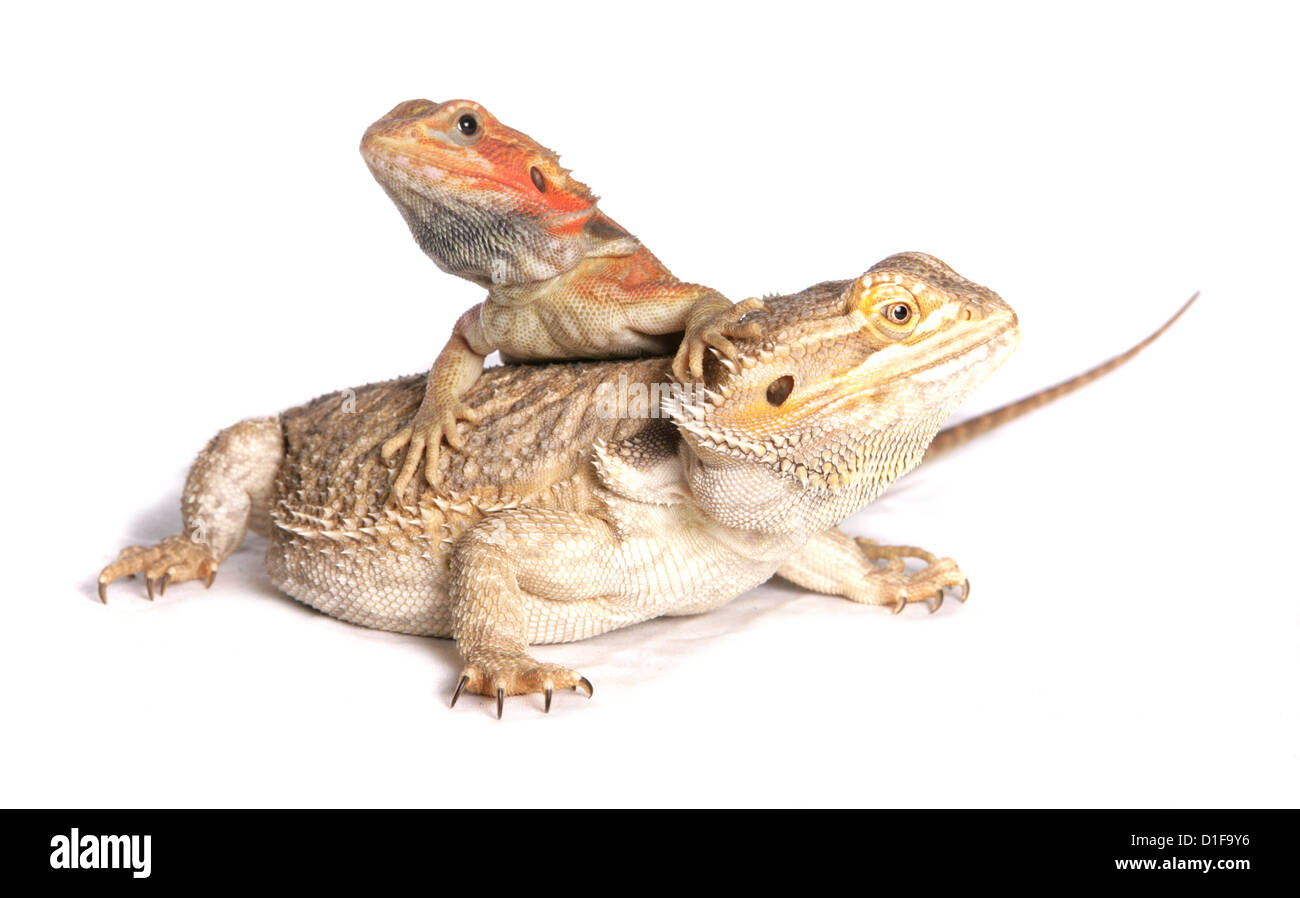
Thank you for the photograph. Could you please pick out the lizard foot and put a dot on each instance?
(423, 440)
(511, 674)
(715, 330)
(892, 584)
(174, 560)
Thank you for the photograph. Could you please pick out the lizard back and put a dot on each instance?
(532, 446)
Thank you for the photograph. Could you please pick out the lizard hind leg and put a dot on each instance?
(227, 493)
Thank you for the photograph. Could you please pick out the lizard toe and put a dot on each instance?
(174, 560)
(511, 675)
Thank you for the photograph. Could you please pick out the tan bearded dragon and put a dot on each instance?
(558, 518)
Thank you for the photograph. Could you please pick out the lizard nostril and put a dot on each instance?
(778, 391)
(970, 313)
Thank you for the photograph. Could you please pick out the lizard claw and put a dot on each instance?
(934, 603)
(890, 583)
(174, 560)
(501, 675)
(715, 330)
(460, 687)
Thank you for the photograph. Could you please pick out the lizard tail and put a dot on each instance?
(951, 437)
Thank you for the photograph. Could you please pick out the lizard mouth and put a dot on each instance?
(946, 373)
(954, 366)
(417, 175)
(985, 342)
(412, 168)
(999, 334)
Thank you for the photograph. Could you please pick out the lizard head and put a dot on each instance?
(484, 201)
(841, 395)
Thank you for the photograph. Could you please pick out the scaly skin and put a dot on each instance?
(490, 204)
(563, 516)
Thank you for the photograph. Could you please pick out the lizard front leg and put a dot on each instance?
(705, 318)
(525, 576)
(836, 564)
(454, 371)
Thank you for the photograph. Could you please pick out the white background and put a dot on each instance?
(191, 238)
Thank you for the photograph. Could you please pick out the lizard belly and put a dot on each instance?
(398, 585)
(674, 567)
(671, 564)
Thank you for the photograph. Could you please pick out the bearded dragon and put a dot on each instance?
(565, 514)
(489, 204)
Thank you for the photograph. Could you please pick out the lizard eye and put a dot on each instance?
(778, 391)
(893, 310)
(900, 316)
(539, 180)
(467, 124)
(898, 313)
